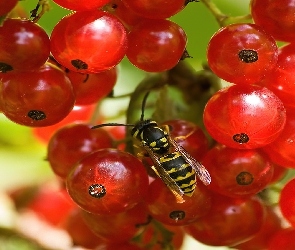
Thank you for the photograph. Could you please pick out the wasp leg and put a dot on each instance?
(167, 129)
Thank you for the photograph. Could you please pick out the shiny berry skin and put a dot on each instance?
(163, 206)
(271, 225)
(242, 53)
(6, 6)
(281, 79)
(244, 116)
(81, 113)
(50, 204)
(282, 150)
(278, 173)
(287, 201)
(155, 9)
(91, 88)
(276, 17)
(36, 98)
(128, 17)
(24, 45)
(98, 43)
(236, 172)
(229, 221)
(283, 239)
(156, 45)
(108, 181)
(124, 225)
(79, 231)
(71, 143)
(78, 5)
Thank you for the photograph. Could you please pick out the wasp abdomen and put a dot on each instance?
(180, 171)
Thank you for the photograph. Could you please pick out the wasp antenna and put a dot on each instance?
(112, 125)
(143, 105)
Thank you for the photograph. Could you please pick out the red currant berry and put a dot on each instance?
(79, 231)
(156, 9)
(271, 225)
(278, 173)
(163, 206)
(281, 80)
(151, 41)
(77, 114)
(51, 205)
(107, 181)
(97, 44)
(276, 17)
(282, 150)
(6, 6)
(71, 143)
(229, 221)
(236, 172)
(91, 88)
(124, 225)
(244, 116)
(242, 53)
(283, 239)
(36, 98)
(287, 201)
(81, 5)
(24, 45)
(128, 17)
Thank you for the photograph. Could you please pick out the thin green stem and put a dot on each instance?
(221, 18)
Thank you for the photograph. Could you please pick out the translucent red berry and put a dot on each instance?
(282, 150)
(156, 45)
(81, 5)
(24, 45)
(244, 116)
(158, 9)
(236, 172)
(163, 206)
(36, 98)
(89, 41)
(242, 53)
(108, 181)
(276, 17)
(228, 222)
(71, 143)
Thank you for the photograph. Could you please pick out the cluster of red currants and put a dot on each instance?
(85, 53)
(252, 120)
(120, 203)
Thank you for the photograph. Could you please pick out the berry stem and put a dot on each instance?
(44, 4)
(220, 17)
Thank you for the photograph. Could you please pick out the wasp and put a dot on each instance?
(172, 163)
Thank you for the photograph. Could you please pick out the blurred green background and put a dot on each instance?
(23, 157)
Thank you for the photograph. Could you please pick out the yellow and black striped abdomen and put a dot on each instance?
(180, 171)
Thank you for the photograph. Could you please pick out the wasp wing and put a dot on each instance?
(160, 171)
(201, 172)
